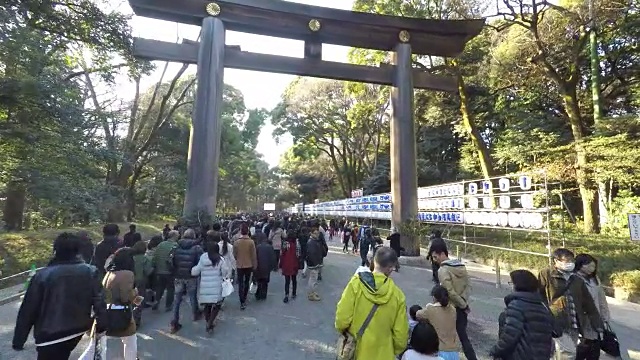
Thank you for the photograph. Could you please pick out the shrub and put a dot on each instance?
(627, 280)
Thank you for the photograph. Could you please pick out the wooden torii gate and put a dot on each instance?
(315, 26)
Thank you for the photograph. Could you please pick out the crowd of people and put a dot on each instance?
(563, 312)
(128, 275)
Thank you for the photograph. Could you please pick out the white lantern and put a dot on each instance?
(505, 202)
(537, 221)
(515, 219)
(486, 186)
(503, 219)
(526, 201)
(473, 203)
(504, 184)
(525, 182)
(473, 188)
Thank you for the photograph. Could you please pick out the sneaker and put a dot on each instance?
(286, 299)
(243, 306)
(314, 296)
(293, 296)
(175, 327)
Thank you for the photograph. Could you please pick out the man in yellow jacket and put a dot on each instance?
(387, 333)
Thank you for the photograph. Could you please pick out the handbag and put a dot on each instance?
(346, 346)
(227, 288)
(609, 343)
(119, 316)
(94, 349)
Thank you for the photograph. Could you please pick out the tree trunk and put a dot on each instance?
(410, 244)
(604, 194)
(584, 178)
(14, 205)
(469, 124)
(131, 204)
(119, 209)
(603, 189)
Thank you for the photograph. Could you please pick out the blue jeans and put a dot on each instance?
(190, 287)
(449, 355)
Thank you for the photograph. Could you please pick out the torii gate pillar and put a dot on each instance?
(204, 141)
(404, 175)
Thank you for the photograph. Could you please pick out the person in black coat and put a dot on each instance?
(526, 326)
(394, 243)
(86, 246)
(105, 248)
(132, 237)
(266, 261)
(59, 301)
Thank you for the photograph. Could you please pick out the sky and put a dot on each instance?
(261, 90)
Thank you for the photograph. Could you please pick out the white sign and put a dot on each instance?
(269, 207)
(634, 226)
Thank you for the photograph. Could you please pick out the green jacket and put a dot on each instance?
(143, 268)
(388, 333)
(161, 255)
(552, 282)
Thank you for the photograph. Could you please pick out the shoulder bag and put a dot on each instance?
(119, 315)
(609, 342)
(346, 346)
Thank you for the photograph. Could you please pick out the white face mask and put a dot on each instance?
(588, 269)
(565, 266)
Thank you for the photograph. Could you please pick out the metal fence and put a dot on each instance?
(12, 286)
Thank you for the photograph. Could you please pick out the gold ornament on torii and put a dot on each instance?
(213, 9)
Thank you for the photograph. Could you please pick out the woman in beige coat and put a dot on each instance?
(119, 288)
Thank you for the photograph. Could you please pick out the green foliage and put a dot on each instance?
(18, 250)
(623, 204)
(342, 124)
(414, 229)
(73, 150)
(627, 280)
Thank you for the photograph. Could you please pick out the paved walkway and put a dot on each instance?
(301, 329)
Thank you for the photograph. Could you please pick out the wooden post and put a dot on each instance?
(496, 264)
(404, 178)
(204, 142)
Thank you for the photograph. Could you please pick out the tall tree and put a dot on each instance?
(344, 126)
(39, 81)
(554, 37)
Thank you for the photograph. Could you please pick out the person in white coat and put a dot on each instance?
(226, 251)
(213, 270)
